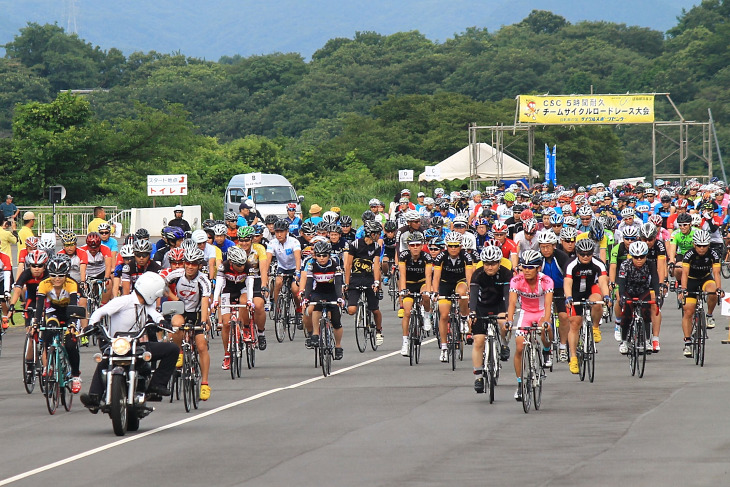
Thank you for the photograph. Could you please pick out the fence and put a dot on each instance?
(73, 218)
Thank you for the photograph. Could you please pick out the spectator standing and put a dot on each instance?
(10, 211)
(178, 221)
(314, 214)
(26, 230)
(8, 236)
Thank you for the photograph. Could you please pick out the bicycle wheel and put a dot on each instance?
(372, 332)
(412, 337)
(321, 350)
(361, 331)
(526, 383)
(460, 343)
(725, 268)
(580, 351)
(392, 290)
(695, 336)
(67, 397)
(419, 337)
(701, 341)
(489, 369)
(641, 339)
(196, 378)
(279, 317)
(187, 381)
(329, 350)
(591, 358)
(53, 387)
(537, 372)
(292, 320)
(29, 365)
(633, 348)
(451, 335)
(172, 385)
(232, 349)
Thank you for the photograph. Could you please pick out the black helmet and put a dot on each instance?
(368, 215)
(346, 221)
(322, 248)
(59, 265)
(271, 219)
(306, 229)
(684, 218)
(282, 225)
(322, 226)
(390, 226)
(142, 233)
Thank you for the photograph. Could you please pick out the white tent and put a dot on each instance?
(457, 166)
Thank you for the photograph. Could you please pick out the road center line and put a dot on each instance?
(197, 417)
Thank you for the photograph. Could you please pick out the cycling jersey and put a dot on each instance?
(656, 251)
(683, 241)
(415, 268)
(96, 264)
(61, 297)
(698, 266)
(230, 283)
(508, 248)
(256, 255)
(131, 272)
(532, 299)
(294, 225)
(31, 283)
(585, 276)
(489, 294)
(227, 244)
(363, 256)
(111, 244)
(636, 281)
(453, 269)
(524, 244)
(77, 259)
(389, 247)
(554, 268)
(189, 291)
(323, 280)
(284, 252)
(619, 254)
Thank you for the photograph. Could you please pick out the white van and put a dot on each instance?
(270, 198)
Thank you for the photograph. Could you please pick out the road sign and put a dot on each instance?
(432, 172)
(405, 175)
(167, 185)
(253, 180)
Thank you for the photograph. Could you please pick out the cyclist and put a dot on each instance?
(172, 238)
(232, 281)
(554, 264)
(585, 279)
(105, 233)
(488, 295)
(292, 219)
(525, 239)
(53, 296)
(231, 222)
(288, 253)
(126, 252)
(348, 235)
(700, 272)
(568, 236)
(416, 274)
(388, 246)
(78, 262)
(31, 243)
(637, 278)
(509, 248)
(201, 240)
(142, 263)
(598, 236)
(323, 282)
(534, 291)
(657, 254)
(257, 264)
(99, 262)
(452, 271)
(193, 288)
(680, 243)
(221, 240)
(362, 268)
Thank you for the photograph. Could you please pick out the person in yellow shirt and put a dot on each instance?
(8, 237)
(99, 217)
(26, 230)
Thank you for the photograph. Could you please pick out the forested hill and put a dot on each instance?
(229, 27)
(359, 110)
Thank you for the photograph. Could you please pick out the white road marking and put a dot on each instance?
(197, 417)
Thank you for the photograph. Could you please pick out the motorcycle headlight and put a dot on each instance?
(121, 346)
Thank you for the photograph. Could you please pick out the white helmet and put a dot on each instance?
(628, 213)
(330, 217)
(428, 200)
(547, 237)
(453, 237)
(412, 215)
(570, 221)
(491, 254)
(150, 286)
(469, 241)
(701, 237)
(585, 211)
(568, 233)
(219, 229)
(199, 236)
(236, 255)
(126, 251)
(696, 220)
(637, 249)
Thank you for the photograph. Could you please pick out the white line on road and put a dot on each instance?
(160, 429)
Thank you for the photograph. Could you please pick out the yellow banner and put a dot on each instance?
(586, 109)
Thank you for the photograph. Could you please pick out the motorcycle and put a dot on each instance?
(128, 373)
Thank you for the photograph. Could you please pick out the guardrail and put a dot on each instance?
(72, 218)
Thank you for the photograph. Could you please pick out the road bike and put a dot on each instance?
(454, 338)
(637, 338)
(235, 341)
(393, 286)
(324, 351)
(415, 327)
(285, 317)
(32, 366)
(490, 357)
(699, 328)
(190, 373)
(94, 289)
(364, 322)
(533, 371)
(586, 348)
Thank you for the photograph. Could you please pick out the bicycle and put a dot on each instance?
(284, 312)
(6, 320)
(94, 289)
(190, 374)
(637, 337)
(249, 338)
(699, 328)
(393, 286)
(490, 356)
(324, 351)
(415, 328)
(533, 371)
(454, 339)
(586, 348)
(235, 341)
(725, 262)
(364, 322)
(32, 367)
(58, 367)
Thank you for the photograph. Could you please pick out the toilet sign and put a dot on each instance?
(405, 175)
(167, 185)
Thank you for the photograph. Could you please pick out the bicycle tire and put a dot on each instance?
(187, 378)
(67, 397)
(329, 350)
(641, 338)
(451, 340)
(419, 337)
(393, 291)
(361, 332)
(725, 269)
(695, 336)
(701, 344)
(580, 351)
(412, 324)
(460, 343)
(172, 385)
(536, 376)
(232, 344)
(280, 318)
(251, 355)
(52, 385)
(633, 348)
(489, 368)
(525, 383)
(291, 321)
(372, 332)
(196, 382)
(29, 367)
(591, 361)
(321, 348)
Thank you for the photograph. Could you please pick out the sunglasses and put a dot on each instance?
(175, 262)
(104, 233)
(530, 267)
(585, 254)
(701, 246)
(415, 244)
(290, 209)
(638, 257)
(499, 234)
(454, 246)
(529, 233)
(56, 275)
(434, 247)
(69, 245)
(569, 241)
(496, 262)
(322, 255)
(37, 266)
(459, 225)
(141, 254)
(684, 224)
(246, 239)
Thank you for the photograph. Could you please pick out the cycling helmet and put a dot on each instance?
(681, 204)
(481, 221)
(373, 227)
(171, 234)
(610, 222)
(194, 255)
(237, 255)
(142, 233)
(666, 198)
(547, 237)
(638, 249)
(568, 233)
(143, 246)
(585, 211)
(461, 220)
(258, 229)
(50, 245)
(368, 215)
(415, 237)
(648, 230)
(596, 232)
(412, 216)
(220, 229)
(628, 213)
(36, 257)
(93, 240)
(208, 223)
(517, 209)
(630, 232)
(345, 221)
(491, 254)
(176, 255)
(585, 245)
(270, 219)
(330, 217)
(199, 236)
(464, 194)
(322, 247)
(696, 220)
(526, 215)
(531, 257)
(556, 219)
(188, 244)
(509, 197)
(279, 226)
(334, 227)
(468, 241)
(437, 222)
(579, 199)
(701, 237)
(570, 221)
(103, 227)
(453, 237)
(188, 234)
(31, 243)
(657, 220)
(322, 226)
(374, 202)
(567, 210)
(68, 238)
(129, 239)
(59, 265)
(150, 286)
(530, 225)
(650, 192)
(499, 227)
(431, 233)
(438, 191)
(126, 251)
(246, 232)
(229, 216)
(307, 227)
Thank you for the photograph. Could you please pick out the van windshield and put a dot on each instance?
(274, 194)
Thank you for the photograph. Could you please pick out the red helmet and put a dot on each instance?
(526, 215)
(499, 227)
(31, 243)
(36, 257)
(93, 240)
(176, 254)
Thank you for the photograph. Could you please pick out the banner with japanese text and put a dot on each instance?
(586, 109)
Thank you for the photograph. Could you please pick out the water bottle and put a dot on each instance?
(267, 305)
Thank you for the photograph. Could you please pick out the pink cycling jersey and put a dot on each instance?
(532, 299)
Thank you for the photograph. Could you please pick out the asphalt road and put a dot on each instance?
(379, 422)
